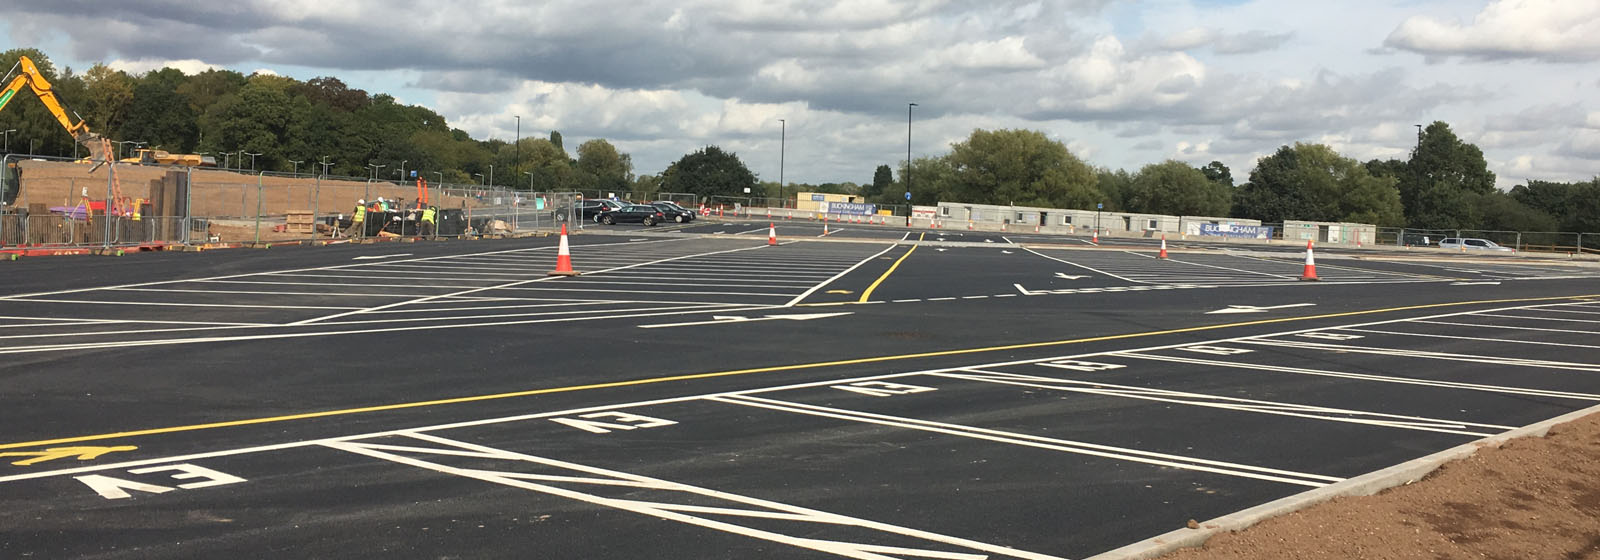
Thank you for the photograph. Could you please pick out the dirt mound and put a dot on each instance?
(1536, 497)
(221, 193)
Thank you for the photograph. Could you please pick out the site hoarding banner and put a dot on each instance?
(1232, 230)
(924, 212)
(852, 208)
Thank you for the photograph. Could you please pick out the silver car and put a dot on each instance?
(1471, 244)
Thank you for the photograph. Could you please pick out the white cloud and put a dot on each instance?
(1549, 30)
(188, 66)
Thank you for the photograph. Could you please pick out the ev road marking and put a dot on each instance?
(723, 319)
(1474, 283)
(1065, 276)
(1255, 309)
(370, 257)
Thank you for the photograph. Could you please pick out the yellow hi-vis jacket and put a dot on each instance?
(427, 216)
(360, 216)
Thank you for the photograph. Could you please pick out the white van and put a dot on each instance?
(1470, 244)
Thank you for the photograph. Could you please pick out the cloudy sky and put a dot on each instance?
(1122, 83)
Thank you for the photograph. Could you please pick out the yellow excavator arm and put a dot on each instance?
(31, 77)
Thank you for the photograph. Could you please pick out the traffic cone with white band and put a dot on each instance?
(564, 257)
(1163, 248)
(1311, 265)
(772, 234)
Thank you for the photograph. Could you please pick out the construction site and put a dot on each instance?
(157, 200)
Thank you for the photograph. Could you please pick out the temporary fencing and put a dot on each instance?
(59, 202)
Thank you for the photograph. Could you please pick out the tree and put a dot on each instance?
(1218, 173)
(1441, 178)
(882, 180)
(932, 180)
(1114, 186)
(1174, 188)
(110, 93)
(609, 169)
(160, 116)
(555, 138)
(1313, 182)
(1021, 167)
(710, 172)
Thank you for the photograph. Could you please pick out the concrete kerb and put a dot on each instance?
(1364, 485)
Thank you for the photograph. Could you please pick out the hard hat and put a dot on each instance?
(380, 199)
(362, 201)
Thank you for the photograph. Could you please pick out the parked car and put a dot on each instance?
(641, 213)
(591, 208)
(1470, 244)
(674, 212)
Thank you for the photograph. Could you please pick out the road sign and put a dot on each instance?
(908, 195)
(1099, 205)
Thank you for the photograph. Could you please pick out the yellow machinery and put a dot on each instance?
(99, 148)
(162, 157)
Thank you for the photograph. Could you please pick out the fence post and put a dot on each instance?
(316, 202)
(188, 201)
(258, 207)
(110, 177)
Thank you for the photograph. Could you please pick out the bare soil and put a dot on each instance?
(218, 192)
(1531, 498)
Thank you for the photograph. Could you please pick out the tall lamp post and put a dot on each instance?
(908, 157)
(296, 163)
(252, 159)
(375, 167)
(8, 139)
(403, 169)
(480, 178)
(325, 163)
(783, 142)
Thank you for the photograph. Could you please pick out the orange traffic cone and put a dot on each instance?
(1163, 248)
(1096, 239)
(772, 234)
(824, 228)
(564, 257)
(1311, 265)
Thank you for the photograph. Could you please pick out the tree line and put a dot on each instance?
(1444, 184)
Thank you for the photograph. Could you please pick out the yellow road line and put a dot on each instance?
(687, 377)
(886, 273)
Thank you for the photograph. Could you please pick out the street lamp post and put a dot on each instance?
(8, 139)
(491, 174)
(296, 163)
(403, 169)
(226, 157)
(325, 163)
(517, 158)
(252, 159)
(375, 167)
(31, 146)
(908, 157)
(480, 178)
(783, 142)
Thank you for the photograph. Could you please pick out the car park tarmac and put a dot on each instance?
(883, 395)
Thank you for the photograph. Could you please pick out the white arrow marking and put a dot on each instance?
(1005, 252)
(1023, 290)
(1255, 309)
(987, 240)
(721, 319)
(940, 249)
(1474, 283)
(1065, 276)
(368, 257)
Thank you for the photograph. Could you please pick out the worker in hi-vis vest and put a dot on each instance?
(358, 219)
(427, 221)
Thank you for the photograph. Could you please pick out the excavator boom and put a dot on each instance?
(31, 77)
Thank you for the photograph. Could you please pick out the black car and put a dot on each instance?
(590, 209)
(644, 214)
(674, 212)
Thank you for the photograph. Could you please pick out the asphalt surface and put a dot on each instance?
(709, 396)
